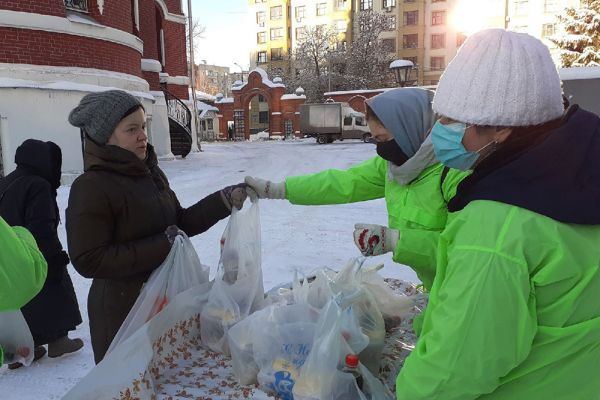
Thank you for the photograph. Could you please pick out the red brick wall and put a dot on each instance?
(174, 6)
(148, 32)
(153, 79)
(117, 14)
(176, 56)
(47, 7)
(179, 91)
(22, 46)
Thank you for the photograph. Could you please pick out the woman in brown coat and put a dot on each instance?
(120, 208)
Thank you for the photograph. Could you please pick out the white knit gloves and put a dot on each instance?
(374, 240)
(264, 189)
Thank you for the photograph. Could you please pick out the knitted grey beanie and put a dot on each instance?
(500, 78)
(100, 113)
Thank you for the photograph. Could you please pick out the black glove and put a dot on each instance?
(234, 196)
(172, 231)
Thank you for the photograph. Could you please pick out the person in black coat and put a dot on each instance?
(28, 199)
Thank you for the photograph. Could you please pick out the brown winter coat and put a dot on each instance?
(118, 211)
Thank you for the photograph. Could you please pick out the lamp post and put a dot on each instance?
(401, 69)
(242, 69)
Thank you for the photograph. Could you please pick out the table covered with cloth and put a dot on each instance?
(166, 360)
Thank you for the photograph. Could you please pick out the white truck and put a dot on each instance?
(333, 121)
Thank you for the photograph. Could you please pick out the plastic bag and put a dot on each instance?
(180, 271)
(238, 287)
(321, 376)
(15, 338)
(271, 345)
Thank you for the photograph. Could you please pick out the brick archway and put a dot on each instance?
(258, 84)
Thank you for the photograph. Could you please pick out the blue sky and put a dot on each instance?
(227, 37)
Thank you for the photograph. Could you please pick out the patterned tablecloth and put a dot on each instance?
(181, 368)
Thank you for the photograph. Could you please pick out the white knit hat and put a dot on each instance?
(500, 78)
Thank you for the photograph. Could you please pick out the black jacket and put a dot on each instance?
(28, 199)
(553, 171)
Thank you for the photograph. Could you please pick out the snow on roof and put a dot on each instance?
(205, 107)
(401, 63)
(292, 97)
(200, 95)
(568, 74)
(224, 100)
(67, 86)
(265, 78)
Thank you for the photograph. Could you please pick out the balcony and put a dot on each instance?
(76, 5)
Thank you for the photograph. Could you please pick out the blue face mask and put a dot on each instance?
(448, 147)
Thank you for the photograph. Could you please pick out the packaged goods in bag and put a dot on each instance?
(181, 270)
(15, 338)
(238, 287)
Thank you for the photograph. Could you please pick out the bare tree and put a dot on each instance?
(198, 31)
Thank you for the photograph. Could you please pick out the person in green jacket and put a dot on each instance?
(416, 187)
(513, 312)
(23, 269)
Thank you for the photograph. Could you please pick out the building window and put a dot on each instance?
(438, 40)
(76, 5)
(550, 6)
(436, 64)
(389, 45)
(321, 9)
(340, 4)
(410, 41)
(276, 12)
(366, 5)
(261, 37)
(341, 25)
(300, 13)
(276, 33)
(389, 3)
(391, 23)
(460, 39)
(261, 99)
(277, 54)
(299, 32)
(521, 7)
(438, 17)
(260, 1)
(261, 57)
(548, 30)
(263, 117)
(411, 17)
(260, 18)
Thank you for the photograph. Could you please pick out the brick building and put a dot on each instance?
(54, 52)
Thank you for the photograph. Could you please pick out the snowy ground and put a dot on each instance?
(294, 237)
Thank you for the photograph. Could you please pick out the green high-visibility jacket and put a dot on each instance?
(514, 312)
(23, 269)
(418, 210)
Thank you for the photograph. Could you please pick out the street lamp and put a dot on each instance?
(242, 69)
(401, 69)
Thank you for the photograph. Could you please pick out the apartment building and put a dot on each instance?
(280, 24)
(272, 32)
(213, 79)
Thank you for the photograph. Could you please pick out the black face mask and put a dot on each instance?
(390, 151)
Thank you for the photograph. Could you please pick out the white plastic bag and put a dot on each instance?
(180, 271)
(238, 287)
(271, 345)
(321, 376)
(15, 338)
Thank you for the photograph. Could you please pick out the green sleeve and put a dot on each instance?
(365, 181)
(478, 327)
(417, 248)
(23, 268)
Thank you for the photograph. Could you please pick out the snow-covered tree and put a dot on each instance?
(368, 57)
(580, 42)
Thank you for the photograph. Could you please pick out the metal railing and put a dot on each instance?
(77, 5)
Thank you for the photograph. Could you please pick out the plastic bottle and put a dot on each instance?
(351, 367)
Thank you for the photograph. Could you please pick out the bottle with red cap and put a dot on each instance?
(351, 367)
